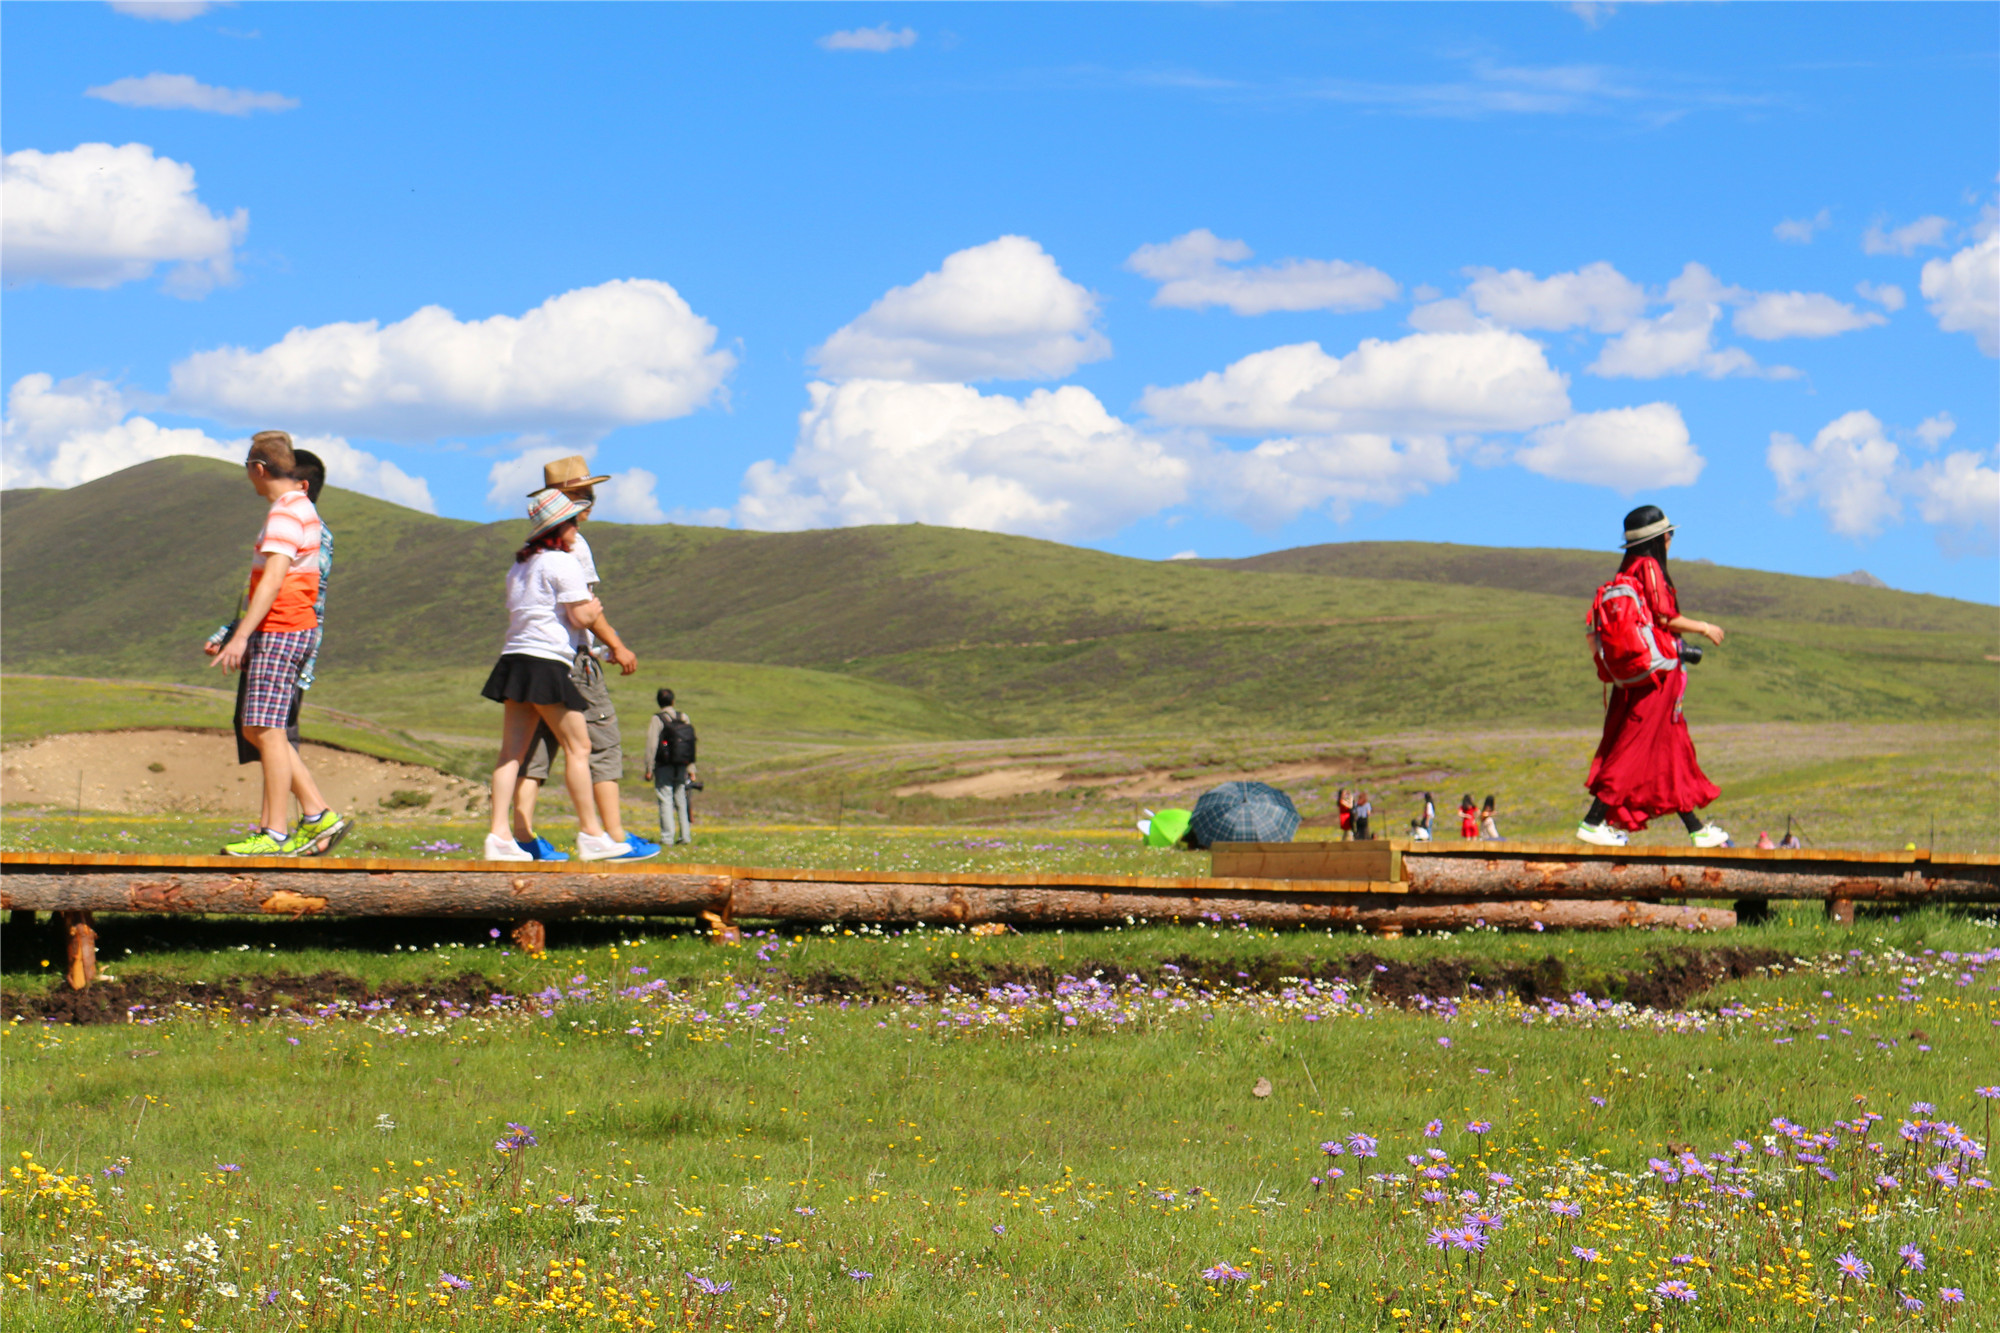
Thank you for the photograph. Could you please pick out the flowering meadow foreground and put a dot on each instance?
(653, 1132)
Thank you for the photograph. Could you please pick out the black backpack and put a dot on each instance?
(676, 742)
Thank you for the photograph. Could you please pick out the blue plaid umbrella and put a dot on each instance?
(1243, 812)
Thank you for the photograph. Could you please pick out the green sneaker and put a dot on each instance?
(317, 837)
(259, 843)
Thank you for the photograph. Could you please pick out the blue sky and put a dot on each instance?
(1159, 279)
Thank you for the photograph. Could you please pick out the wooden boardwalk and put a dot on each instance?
(1384, 885)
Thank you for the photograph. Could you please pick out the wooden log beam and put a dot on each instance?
(80, 948)
(535, 896)
(1694, 876)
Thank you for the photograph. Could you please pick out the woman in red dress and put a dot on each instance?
(1645, 764)
(1468, 818)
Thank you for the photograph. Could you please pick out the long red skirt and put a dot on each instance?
(1645, 764)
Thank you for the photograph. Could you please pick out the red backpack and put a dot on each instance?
(1622, 638)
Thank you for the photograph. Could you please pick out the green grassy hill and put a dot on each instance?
(939, 632)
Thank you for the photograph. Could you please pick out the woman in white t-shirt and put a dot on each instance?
(546, 597)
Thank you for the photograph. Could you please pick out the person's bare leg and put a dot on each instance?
(574, 737)
(607, 809)
(516, 729)
(275, 752)
(525, 796)
(311, 803)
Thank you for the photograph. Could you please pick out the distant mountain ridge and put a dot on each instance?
(1032, 635)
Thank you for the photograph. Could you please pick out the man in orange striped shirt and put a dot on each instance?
(278, 633)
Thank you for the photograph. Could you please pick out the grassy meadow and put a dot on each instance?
(1151, 1128)
(401, 1125)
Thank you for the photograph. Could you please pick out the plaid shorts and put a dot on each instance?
(271, 674)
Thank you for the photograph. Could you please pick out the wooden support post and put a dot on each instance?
(1840, 911)
(80, 948)
(531, 936)
(1389, 930)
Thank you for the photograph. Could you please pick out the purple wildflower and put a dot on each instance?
(859, 1275)
(1675, 1290)
(1952, 1295)
(229, 1168)
(1913, 1258)
(1439, 1238)
(1479, 1126)
(1433, 1129)
(1910, 1304)
(1361, 1145)
(1584, 1253)
(1851, 1265)
(999, 1228)
(708, 1288)
(1225, 1272)
(1333, 1147)
(454, 1281)
(1562, 1208)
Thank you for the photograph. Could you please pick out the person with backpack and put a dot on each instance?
(1364, 809)
(1645, 764)
(670, 758)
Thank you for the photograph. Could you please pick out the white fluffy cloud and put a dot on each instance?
(1848, 471)
(1858, 477)
(581, 363)
(631, 496)
(1427, 383)
(64, 434)
(1959, 491)
(879, 38)
(1597, 297)
(163, 11)
(1280, 479)
(1627, 449)
(1887, 294)
(1905, 240)
(183, 92)
(1800, 231)
(1192, 275)
(1053, 464)
(1964, 291)
(1002, 310)
(99, 216)
(1681, 341)
(1771, 315)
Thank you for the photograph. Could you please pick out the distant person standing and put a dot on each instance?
(547, 598)
(670, 759)
(593, 645)
(1489, 827)
(1468, 817)
(1363, 809)
(1430, 816)
(1344, 806)
(1645, 764)
(276, 636)
(1764, 843)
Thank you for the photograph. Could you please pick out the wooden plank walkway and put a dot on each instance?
(1386, 885)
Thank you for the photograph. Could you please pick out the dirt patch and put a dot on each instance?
(1670, 980)
(149, 996)
(1002, 783)
(169, 771)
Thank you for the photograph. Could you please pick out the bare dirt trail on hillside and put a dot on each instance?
(1001, 783)
(198, 774)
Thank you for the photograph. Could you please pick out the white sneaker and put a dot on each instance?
(1601, 834)
(599, 847)
(504, 849)
(1708, 835)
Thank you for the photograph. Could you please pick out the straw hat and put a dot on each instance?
(1645, 523)
(551, 509)
(568, 474)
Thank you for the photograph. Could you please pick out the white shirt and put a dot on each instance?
(537, 590)
(583, 639)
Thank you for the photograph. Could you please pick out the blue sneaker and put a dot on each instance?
(641, 849)
(542, 849)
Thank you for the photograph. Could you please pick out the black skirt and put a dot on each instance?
(519, 678)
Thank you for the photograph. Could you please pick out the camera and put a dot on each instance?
(1690, 653)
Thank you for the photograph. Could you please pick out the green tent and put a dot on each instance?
(1165, 828)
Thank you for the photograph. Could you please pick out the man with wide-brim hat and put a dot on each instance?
(569, 475)
(572, 478)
